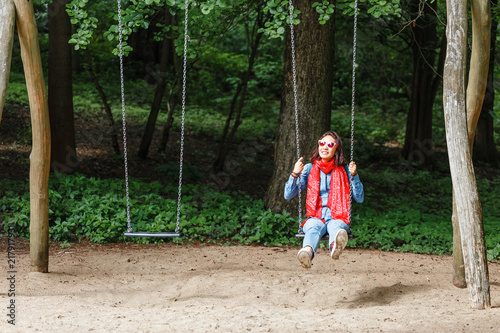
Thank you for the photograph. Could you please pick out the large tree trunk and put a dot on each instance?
(460, 157)
(62, 124)
(40, 124)
(478, 73)
(7, 22)
(314, 54)
(485, 149)
(418, 148)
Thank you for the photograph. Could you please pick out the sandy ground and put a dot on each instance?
(173, 288)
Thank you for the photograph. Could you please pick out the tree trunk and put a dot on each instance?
(478, 73)
(479, 63)
(7, 22)
(459, 280)
(253, 40)
(40, 153)
(485, 149)
(418, 148)
(166, 47)
(107, 107)
(459, 151)
(62, 124)
(314, 63)
(173, 97)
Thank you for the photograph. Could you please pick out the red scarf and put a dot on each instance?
(338, 196)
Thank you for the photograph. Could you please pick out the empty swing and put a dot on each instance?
(300, 233)
(130, 232)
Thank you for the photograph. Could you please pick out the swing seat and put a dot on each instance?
(153, 234)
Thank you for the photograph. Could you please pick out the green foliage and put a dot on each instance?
(280, 13)
(95, 209)
(389, 219)
(17, 92)
(325, 10)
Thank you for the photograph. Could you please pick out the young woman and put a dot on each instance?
(328, 179)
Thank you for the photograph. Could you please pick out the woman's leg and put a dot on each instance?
(337, 230)
(314, 229)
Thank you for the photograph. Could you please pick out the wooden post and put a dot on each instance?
(7, 22)
(40, 153)
(460, 157)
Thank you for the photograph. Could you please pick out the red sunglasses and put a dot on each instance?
(330, 144)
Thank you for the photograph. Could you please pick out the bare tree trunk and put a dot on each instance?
(418, 148)
(485, 149)
(479, 63)
(460, 157)
(7, 23)
(314, 54)
(147, 137)
(107, 107)
(478, 73)
(40, 154)
(159, 93)
(62, 124)
(173, 95)
(254, 40)
(458, 257)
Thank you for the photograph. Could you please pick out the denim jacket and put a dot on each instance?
(292, 187)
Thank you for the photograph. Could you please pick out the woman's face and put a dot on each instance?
(327, 147)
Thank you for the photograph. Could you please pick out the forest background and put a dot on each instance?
(234, 94)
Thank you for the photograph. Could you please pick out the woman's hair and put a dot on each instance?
(339, 156)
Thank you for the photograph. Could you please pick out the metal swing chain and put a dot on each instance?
(294, 75)
(354, 65)
(124, 122)
(181, 158)
(122, 86)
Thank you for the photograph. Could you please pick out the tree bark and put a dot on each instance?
(40, 154)
(485, 149)
(418, 148)
(314, 63)
(479, 63)
(478, 73)
(60, 82)
(458, 265)
(459, 151)
(7, 22)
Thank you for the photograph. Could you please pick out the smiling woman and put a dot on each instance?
(330, 182)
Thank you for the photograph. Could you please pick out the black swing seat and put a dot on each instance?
(153, 234)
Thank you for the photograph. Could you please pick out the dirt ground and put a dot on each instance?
(179, 288)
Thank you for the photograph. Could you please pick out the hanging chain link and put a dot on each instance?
(122, 86)
(296, 109)
(354, 65)
(124, 122)
(181, 158)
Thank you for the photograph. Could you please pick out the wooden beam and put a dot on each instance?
(40, 153)
(7, 23)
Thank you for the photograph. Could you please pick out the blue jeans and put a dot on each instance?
(314, 229)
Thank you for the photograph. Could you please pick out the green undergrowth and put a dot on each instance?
(390, 219)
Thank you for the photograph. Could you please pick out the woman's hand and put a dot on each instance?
(353, 169)
(299, 166)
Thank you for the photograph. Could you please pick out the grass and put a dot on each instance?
(389, 219)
